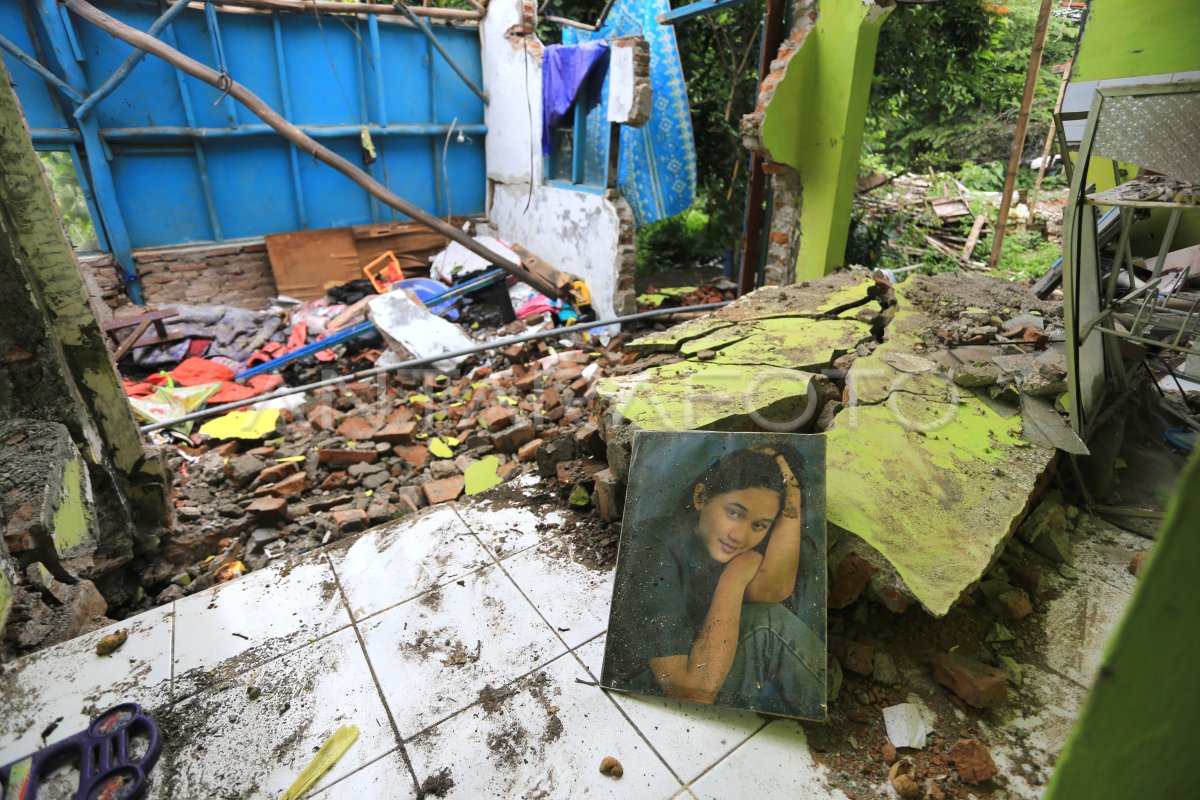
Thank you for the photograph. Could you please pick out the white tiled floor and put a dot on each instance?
(459, 639)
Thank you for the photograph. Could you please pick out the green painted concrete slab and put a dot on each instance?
(790, 342)
(705, 396)
(806, 300)
(935, 487)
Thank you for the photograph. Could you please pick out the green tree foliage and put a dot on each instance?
(720, 54)
(948, 83)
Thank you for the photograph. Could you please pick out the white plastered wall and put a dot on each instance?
(577, 232)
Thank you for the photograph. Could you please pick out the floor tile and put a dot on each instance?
(384, 779)
(689, 737)
(773, 765)
(506, 526)
(1026, 737)
(226, 630)
(578, 614)
(398, 561)
(1078, 624)
(543, 736)
(70, 684)
(435, 654)
(226, 742)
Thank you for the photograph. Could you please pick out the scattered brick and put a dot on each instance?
(497, 417)
(512, 438)
(444, 490)
(278, 472)
(268, 509)
(529, 450)
(975, 683)
(358, 429)
(322, 417)
(416, 455)
(973, 761)
(336, 456)
(350, 520)
(849, 581)
(395, 433)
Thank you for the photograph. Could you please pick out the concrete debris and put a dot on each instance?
(905, 726)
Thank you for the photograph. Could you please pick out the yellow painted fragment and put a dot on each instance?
(242, 424)
(482, 475)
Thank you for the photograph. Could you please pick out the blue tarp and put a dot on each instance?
(657, 164)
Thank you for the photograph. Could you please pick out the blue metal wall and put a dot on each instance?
(188, 165)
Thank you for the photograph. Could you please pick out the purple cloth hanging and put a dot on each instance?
(565, 67)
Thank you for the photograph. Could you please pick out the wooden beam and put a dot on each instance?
(221, 81)
(973, 237)
(1014, 158)
(1062, 90)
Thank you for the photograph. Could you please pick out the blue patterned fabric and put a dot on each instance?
(657, 164)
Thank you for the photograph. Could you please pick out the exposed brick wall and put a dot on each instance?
(625, 296)
(235, 274)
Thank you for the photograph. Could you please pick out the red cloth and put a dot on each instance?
(195, 371)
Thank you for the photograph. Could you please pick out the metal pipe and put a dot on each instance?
(35, 65)
(305, 6)
(570, 23)
(423, 27)
(128, 64)
(315, 131)
(424, 362)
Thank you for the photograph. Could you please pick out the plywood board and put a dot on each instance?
(305, 262)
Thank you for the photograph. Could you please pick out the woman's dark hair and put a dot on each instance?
(742, 469)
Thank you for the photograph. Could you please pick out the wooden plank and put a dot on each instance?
(538, 266)
(306, 262)
(412, 243)
(973, 237)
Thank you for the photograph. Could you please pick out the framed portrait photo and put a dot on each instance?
(720, 589)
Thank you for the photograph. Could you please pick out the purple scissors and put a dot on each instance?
(106, 770)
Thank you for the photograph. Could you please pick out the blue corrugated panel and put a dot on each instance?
(235, 179)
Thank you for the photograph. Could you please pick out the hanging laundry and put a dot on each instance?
(565, 67)
(656, 169)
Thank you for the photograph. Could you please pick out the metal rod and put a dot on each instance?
(308, 6)
(424, 362)
(1154, 342)
(128, 64)
(314, 131)
(33, 64)
(424, 28)
(290, 132)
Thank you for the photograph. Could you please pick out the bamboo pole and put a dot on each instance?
(1014, 158)
(221, 81)
(1062, 90)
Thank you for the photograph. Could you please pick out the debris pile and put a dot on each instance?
(366, 452)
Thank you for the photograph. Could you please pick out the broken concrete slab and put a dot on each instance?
(791, 343)
(698, 396)
(947, 484)
(841, 292)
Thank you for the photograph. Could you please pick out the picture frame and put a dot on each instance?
(719, 596)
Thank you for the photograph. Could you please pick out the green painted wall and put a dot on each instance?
(1124, 38)
(1138, 732)
(1127, 38)
(814, 123)
(71, 528)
